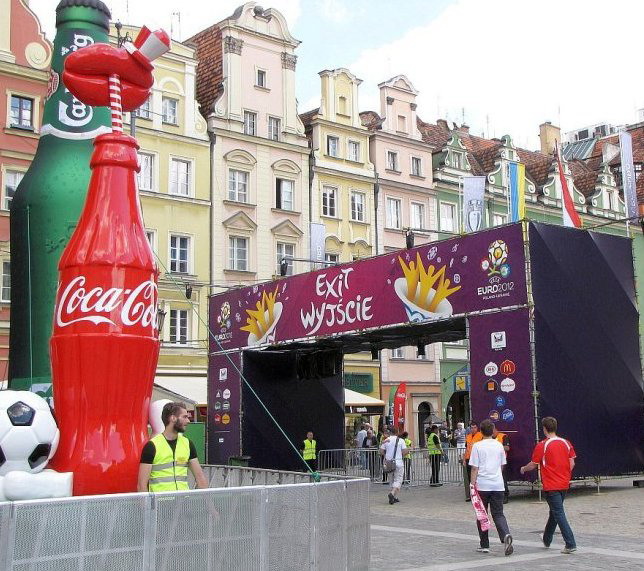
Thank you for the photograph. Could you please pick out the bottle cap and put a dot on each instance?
(100, 15)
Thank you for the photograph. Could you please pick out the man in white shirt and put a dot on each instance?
(487, 460)
(394, 447)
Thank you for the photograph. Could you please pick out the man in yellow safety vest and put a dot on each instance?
(309, 451)
(165, 459)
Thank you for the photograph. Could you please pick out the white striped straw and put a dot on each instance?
(115, 103)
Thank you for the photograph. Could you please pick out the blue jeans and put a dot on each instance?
(556, 518)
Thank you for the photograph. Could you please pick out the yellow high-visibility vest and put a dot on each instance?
(431, 446)
(309, 449)
(169, 471)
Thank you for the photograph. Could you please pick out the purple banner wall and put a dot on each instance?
(501, 380)
(224, 409)
(435, 281)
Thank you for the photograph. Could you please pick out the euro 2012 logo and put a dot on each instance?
(224, 316)
(496, 261)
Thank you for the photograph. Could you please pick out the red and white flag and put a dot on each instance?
(570, 216)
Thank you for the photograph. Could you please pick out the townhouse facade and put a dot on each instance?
(25, 55)
(259, 153)
(174, 186)
(342, 195)
(405, 206)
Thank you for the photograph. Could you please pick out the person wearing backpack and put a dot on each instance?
(393, 449)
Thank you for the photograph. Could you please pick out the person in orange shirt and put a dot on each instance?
(472, 438)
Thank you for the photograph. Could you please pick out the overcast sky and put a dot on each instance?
(504, 66)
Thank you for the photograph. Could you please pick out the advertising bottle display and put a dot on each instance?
(49, 199)
(105, 345)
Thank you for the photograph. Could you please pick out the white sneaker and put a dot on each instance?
(483, 549)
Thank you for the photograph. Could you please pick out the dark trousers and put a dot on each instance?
(467, 471)
(495, 502)
(407, 464)
(435, 460)
(313, 464)
(557, 517)
(504, 471)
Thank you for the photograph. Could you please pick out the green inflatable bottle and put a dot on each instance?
(49, 199)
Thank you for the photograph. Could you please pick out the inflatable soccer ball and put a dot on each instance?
(28, 432)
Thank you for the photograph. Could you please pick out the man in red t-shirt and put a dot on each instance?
(556, 457)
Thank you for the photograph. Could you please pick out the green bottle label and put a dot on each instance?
(65, 116)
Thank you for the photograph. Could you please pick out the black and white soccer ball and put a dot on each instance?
(28, 432)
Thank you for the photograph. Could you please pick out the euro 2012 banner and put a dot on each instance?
(432, 282)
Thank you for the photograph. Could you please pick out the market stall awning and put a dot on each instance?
(357, 403)
(193, 390)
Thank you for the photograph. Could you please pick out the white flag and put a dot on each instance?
(628, 173)
(473, 203)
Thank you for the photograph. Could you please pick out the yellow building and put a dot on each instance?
(342, 194)
(174, 185)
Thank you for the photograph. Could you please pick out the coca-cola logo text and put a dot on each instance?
(137, 305)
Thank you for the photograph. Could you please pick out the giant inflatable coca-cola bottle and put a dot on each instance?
(104, 347)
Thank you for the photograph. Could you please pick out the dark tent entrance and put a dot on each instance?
(550, 314)
(299, 387)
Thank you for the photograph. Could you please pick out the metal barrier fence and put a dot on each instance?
(280, 527)
(419, 468)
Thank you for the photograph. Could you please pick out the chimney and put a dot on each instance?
(549, 135)
(443, 124)
(464, 128)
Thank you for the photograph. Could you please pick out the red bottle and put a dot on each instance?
(105, 346)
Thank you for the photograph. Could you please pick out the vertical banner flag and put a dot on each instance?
(628, 173)
(570, 216)
(516, 192)
(473, 201)
(317, 242)
(400, 401)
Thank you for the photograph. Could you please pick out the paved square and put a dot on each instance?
(434, 528)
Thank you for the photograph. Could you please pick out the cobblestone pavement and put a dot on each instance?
(434, 528)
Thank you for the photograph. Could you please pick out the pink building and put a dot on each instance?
(260, 156)
(24, 61)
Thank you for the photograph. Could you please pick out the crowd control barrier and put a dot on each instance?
(286, 523)
(367, 463)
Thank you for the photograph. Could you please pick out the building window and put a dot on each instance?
(169, 110)
(274, 128)
(329, 201)
(260, 80)
(332, 145)
(22, 112)
(179, 326)
(6, 282)
(238, 253)
(457, 160)
(179, 254)
(11, 181)
(358, 206)
(237, 185)
(180, 177)
(392, 160)
(402, 124)
(152, 239)
(285, 251)
(424, 357)
(354, 151)
(398, 353)
(448, 217)
(250, 123)
(416, 166)
(418, 216)
(331, 258)
(284, 193)
(499, 219)
(144, 111)
(146, 174)
(393, 213)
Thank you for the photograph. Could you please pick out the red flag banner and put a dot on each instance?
(400, 401)
(570, 216)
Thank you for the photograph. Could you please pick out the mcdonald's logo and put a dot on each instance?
(508, 367)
